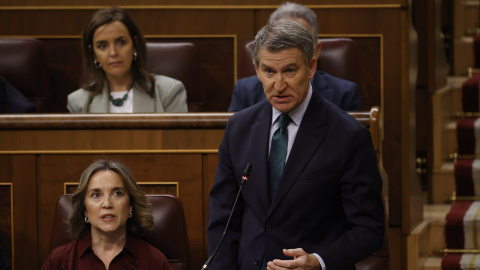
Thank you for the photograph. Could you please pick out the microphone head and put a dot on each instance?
(247, 170)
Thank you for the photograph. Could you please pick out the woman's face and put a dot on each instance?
(113, 49)
(107, 203)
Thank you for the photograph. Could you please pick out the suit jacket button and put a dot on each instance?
(268, 228)
(256, 261)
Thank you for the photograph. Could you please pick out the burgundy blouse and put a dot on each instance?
(136, 255)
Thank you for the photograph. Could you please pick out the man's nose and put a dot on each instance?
(279, 81)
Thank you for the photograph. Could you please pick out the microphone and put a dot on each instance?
(246, 174)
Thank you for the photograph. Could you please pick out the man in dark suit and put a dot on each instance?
(12, 100)
(345, 94)
(322, 208)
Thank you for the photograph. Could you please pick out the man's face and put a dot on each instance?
(285, 77)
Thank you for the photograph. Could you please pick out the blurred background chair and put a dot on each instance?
(339, 57)
(169, 234)
(179, 61)
(23, 64)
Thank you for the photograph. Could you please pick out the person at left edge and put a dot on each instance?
(114, 56)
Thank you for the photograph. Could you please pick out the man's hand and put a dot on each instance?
(301, 260)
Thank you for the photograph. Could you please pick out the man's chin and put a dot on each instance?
(282, 107)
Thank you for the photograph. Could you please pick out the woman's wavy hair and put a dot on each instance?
(138, 225)
(95, 77)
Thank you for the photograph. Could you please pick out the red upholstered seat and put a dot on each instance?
(476, 50)
(169, 234)
(179, 61)
(23, 64)
(467, 132)
(470, 96)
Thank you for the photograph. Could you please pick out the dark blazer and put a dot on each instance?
(329, 200)
(12, 100)
(345, 94)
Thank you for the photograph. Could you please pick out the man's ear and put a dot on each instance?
(256, 69)
(318, 49)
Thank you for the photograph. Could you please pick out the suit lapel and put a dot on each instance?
(142, 102)
(310, 134)
(99, 102)
(259, 157)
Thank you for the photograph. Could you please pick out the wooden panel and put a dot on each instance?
(6, 220)
(192, 3)
(210, 166)
(25, 222)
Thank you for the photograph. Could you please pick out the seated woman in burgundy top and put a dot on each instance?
(109, 215)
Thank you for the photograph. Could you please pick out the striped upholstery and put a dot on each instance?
(470, 96)
(461, 261)
(467, 177)
(462, 231)
(468, 133)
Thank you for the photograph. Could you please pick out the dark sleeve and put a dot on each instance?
(12, 100)
(3, 259)
(351, 100)
(237, 103)
(159, 261)
(223, 190)
(361, 197)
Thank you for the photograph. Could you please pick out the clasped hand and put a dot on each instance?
(301, 260)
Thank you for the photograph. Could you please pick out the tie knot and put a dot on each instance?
(283, 120)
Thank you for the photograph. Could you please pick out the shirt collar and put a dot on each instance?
(296, 114)
(84, 244)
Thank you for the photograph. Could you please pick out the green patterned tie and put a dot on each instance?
(278, 153)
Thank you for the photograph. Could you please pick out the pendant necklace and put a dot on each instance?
(119, 101)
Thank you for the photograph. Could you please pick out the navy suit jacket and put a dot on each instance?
(12, 100)
(328, 202)
(345, 94)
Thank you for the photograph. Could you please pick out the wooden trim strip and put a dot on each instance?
(177, 184)
(450, 250)
(114, 121)
(127, 121)
(12, 223)
(96, 152)
(232, 36)
(210, 7)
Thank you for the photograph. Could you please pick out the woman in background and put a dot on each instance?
(109, 215)
(115, 57)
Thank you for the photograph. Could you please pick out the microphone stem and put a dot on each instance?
(207, 263)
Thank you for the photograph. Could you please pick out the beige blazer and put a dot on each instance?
(170, 96)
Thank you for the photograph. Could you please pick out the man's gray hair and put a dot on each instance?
(283, 34)
(297, 11)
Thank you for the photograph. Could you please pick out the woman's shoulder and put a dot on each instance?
(79, 93)
(59, 256)
(147, 253)
(163, 80)
(80, 96)
(145, 246)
